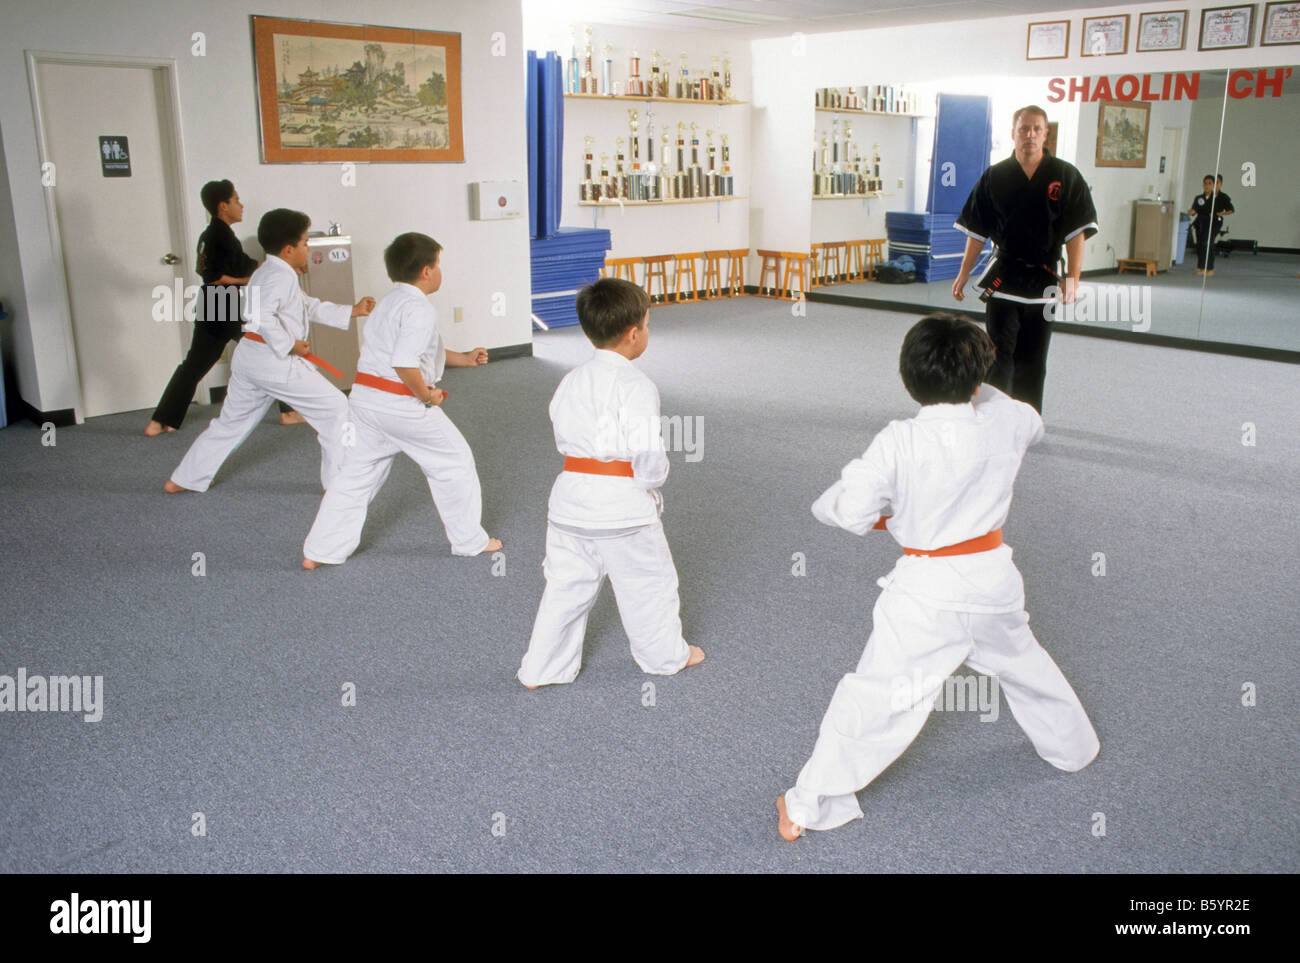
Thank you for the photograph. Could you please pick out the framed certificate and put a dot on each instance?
(1226, 28)
(1048, 40)
(1104, 36)
(1281, 24)
(1162, 30)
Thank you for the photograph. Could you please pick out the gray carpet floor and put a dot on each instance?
(223, 692)
(1251, 299)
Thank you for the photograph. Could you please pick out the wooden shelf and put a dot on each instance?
(677, 200)
(659, 100)
(849, 197)
(871, 113)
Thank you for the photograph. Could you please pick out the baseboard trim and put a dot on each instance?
(60, 417)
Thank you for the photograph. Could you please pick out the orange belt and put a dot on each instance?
(972, 546)
(383, 384)
(590, 466)
(314, 359)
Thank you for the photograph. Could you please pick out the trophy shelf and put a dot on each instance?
(850, 197)
(859, 111)
(675, 200)
(661, 100)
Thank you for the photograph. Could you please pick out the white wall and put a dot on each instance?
(220, 130)
(788, 69)
(647, 230)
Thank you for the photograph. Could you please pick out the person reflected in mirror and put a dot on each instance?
(1208, 208)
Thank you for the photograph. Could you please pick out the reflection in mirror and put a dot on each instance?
(1251, 297)
(1143, 143)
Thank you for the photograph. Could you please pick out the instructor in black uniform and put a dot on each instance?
(1029, 205)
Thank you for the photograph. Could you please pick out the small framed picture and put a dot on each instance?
(1104, 36)
(1226, 28)
(1281, 24)
(1162, 30)
(1048, 40)
(1122, 128)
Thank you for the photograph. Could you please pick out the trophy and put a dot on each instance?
(634, 178)
(715, 81)
(726, 78)
(586, 188)
(679, 176)
(665, 189)
(650, 180)
(607, 70)
(695, 186)
(602, 188)
(619, 183)
(684, 81)
(634, 76)
(711, 179)
(571, 68)
(877, 180)
(588, 78)
(727, 184)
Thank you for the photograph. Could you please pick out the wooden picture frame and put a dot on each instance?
(1046, 40)
(1123, 129)
(1227, 28)
(1049, 143)
(1104, 36)
(334, 92)
(1156, 29)
(1281, 25)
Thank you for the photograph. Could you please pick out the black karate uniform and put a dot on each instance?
(1028, 221)
(1208, 225)
(219, 253)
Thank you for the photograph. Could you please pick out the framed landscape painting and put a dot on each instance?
(331, 92)
(1122, 128)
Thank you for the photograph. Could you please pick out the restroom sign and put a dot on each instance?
(114, 155)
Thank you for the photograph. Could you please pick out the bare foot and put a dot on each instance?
(530, 688)
(1209, 273)
(789, 831)
(292, 418)
(309, 564)
(172, 488)
(697, 656)
(494, 545)
(156, 428)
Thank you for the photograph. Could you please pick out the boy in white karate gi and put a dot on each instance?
(271, 363)
(955, 597)
(603, 516)
(394, 408)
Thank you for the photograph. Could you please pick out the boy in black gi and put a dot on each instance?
(1028, 205)
(1208, 209)
(224, 267)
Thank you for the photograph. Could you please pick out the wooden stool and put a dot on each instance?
(832, 255)
(685, 264)
(656, 267)
(736, 272)
(875, 255)
(771, 262)
(855, 260)
(619, 264)
(795, 262)
(713, 274)
(816, 264)
(1135, 264)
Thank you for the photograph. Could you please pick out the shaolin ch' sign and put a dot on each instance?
(1264, 82)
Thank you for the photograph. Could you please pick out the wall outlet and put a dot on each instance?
(457, 314)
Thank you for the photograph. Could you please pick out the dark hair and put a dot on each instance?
(1031, 109)
(281, 228)
(608, 307)
(408, 255)
(215, 193)
(1207, 177)
(944, 359)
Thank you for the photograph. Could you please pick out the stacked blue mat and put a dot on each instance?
(929, 239)
(561, 266)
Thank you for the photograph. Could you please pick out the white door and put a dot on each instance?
(116, 231)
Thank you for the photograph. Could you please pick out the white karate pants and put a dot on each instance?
(428, 436)
(863, 732)
(256, 380)
(645, 585)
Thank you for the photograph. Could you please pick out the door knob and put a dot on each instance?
(170, 259)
